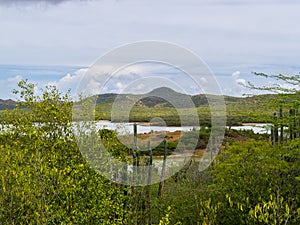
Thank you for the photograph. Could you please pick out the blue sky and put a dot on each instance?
(54, 42)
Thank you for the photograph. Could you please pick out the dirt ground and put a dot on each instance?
(170, 136)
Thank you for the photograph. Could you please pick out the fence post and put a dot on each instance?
(136, 157)
(150, 163)
(281, 124)
(272, 136)
(296, 124)
(291, 124)
(275, 128)
(161, 183)
(148, 202)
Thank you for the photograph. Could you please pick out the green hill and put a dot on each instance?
(164, 97)
(168, 104)
(7, 104)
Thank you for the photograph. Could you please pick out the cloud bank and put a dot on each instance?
(34, 2)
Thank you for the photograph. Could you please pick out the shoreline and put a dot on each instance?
(255, 124)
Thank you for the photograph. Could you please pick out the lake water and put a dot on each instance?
(144, 128)
(261, 128)
(141, 128)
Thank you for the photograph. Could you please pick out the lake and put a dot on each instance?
(141, 127)
(146, 128)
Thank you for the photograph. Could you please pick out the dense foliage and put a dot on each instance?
(44, 179)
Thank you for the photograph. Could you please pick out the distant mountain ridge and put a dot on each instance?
(164, 97)
(161, 97)
(7, 104)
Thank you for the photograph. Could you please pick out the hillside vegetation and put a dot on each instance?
(239, 110)
(168, 104)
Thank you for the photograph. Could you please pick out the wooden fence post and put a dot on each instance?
(275, 127)
(281, 124)
(296, 124)
(161, 183)
(148, 202)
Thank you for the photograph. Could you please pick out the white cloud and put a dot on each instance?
(120, 87)
(140, 86)
(234, 84)
(69, 81)
(14, 80)
(237, 31)
(132, 69)
(7, 85)
(5, 2)
(241, 82)
(203, 80)
(236, 74)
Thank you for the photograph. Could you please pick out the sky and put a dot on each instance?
(56, 42)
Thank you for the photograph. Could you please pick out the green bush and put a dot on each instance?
(43, 177)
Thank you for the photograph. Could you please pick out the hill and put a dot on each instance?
(164, 97)
(7, 104)
(166, 103)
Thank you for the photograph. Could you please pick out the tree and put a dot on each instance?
(43, 177)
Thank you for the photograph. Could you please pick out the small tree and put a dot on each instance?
(44, 178)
